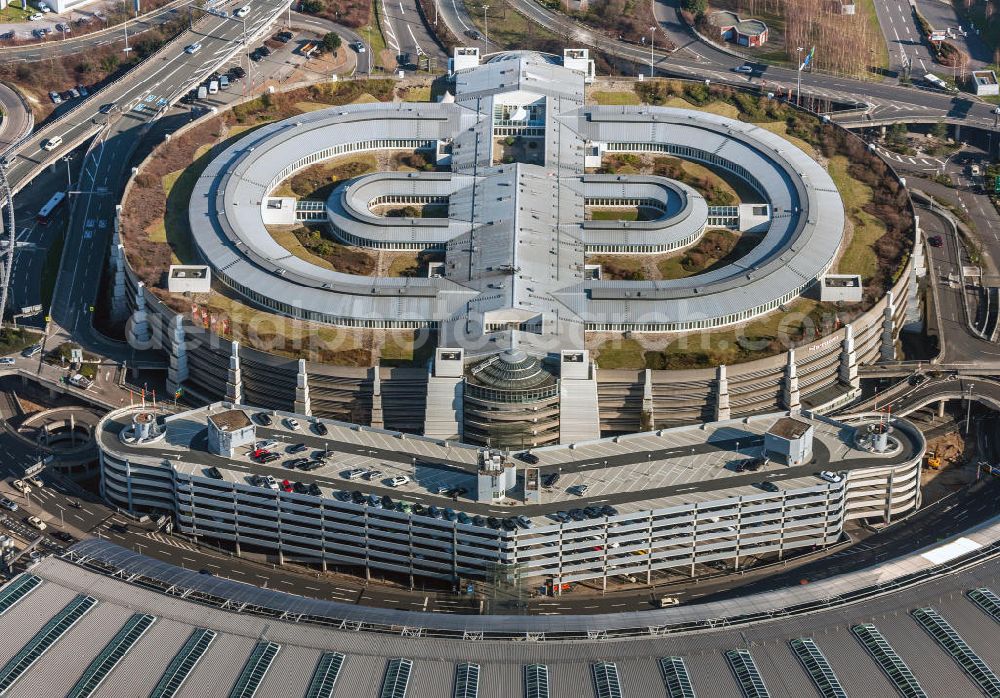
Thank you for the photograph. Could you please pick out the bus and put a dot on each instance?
(49, 209)
(934, 81)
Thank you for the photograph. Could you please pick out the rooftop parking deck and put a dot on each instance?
(634, 473)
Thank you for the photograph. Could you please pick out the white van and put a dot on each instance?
(202, 92)
(242, 12)
(52, 143)
(213, 87)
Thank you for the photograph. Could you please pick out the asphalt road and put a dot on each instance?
(903, 38)
(17, 118)
(70, 45)
(942, 15)
(406, 34)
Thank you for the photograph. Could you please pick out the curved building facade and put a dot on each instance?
(621, 507)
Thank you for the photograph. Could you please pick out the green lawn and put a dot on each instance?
(12, 340)
(859, 257)
(621, 353)
(610, 97)
(15, 14)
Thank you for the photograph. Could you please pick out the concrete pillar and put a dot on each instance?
(790, 392)
(137, 331)
(940, 410)
(177, 371)
(648, 418)
(722, 410)
(849, 360)
(958, 132)
(376, 420)
(302, 403)
(119, 301)
(72, 429)
(888, 348)
(234, 377)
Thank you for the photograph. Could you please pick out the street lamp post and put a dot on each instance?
(798, 78)
(968, 409)
(69, 176)
(127, 49)
(652, 38)
(486, 26)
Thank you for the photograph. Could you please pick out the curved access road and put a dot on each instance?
(17, 119)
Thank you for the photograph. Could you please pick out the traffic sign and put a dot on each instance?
(996, 183)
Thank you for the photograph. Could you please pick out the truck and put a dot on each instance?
(934, 81)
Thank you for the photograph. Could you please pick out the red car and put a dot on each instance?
(286, 486)
(259, 453)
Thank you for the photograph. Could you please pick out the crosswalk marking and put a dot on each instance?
(172, 542)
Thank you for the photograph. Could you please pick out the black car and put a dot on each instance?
(419, 509)
(768, 486)
(358, 498)
(311, 464)
(237, 72)
(387, 502)
(509, 524)
(256, 56)
(213, 473)
(551, 479)
(527, 457)
(494, 522)
(300, 488)
(321, 428)
(314, 489)
(297, 448)
(264, 419)
(343, 495)
(577, 515)
(264, 51)
(562, 516)
(284, 36)
(609, 510)
(107, 108)
(435, 512)
(294, 462)
(63, 536)
(593, 512)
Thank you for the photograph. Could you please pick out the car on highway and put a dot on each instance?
(917, 378)
(54, 96)
(34, 481)
(36, 523)
(8, 504)
(107, 108)
(7, 361)
(242, 12)
(359, 46)
(745, 68)
(935, 241)
(192, 48)
(473, 34)
(52, 143)
(21, 486)
(398, 481)
(33, 350)
(63, 536)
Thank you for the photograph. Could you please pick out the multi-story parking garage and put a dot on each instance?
(632, 507)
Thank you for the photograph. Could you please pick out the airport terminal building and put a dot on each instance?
(632, 507)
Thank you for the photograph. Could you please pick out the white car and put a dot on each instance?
(21, 486)
(292, 423)
(35, 481)
(831, 476)
(36, 522)
(399, 481)
(44, 8)
(192, 48)
(36, 17)
(265, 445)
(743, 69)
(270, 482)
(359, 46)
(242, 12)
(6, 361)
